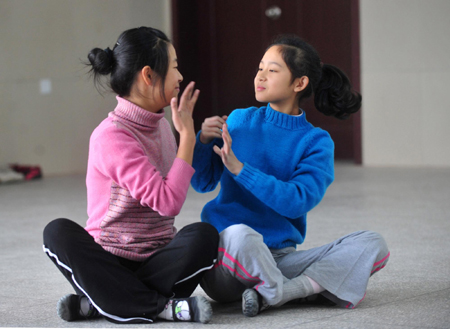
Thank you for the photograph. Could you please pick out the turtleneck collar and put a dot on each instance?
(131, 112)
(292, 122)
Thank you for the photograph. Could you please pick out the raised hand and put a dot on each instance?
(183, 122)
(226, 153)
(182, 113)
(212, 128)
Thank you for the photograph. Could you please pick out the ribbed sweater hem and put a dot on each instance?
(137, 257)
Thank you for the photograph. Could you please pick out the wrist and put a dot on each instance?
(187, 136)
(237, 169)
(186, 147)
(205, 140)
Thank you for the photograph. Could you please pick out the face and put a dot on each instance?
(273, 81)
(173, 77)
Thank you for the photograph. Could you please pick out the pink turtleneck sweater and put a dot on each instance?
(135, 183)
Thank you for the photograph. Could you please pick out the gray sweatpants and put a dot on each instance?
(342, 267)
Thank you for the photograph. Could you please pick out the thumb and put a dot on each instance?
(174, 105)
(217, 150)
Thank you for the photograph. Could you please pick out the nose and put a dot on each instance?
(180, 77)
(260, 75)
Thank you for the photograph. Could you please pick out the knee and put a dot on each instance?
(375, 241)
(205, 236)
(241, 237)
(241, 231)
(56, 230)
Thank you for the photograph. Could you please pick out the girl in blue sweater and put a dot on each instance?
(273, 167)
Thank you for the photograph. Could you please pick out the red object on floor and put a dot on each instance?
(30, 172)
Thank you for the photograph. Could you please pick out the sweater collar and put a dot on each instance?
(131, 112)
(292, 122)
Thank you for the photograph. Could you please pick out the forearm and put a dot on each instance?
(186, 147)
(290, 199)
(118, 156)
(208, 166)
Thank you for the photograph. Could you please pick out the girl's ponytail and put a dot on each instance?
(334, 95)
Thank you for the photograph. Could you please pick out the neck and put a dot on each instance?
(142, 99)
(144, 103)
(290, 108)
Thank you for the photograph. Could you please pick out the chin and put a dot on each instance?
(260, 99)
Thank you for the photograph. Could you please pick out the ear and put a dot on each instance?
(146, 75)
(301, 83)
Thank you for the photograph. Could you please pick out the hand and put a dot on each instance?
(182, 114)
(212, 128)
(226, 153)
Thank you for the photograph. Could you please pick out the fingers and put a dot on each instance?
(225, 129)
(188, 91)
(195, 97)
(226, 139)
(189, 98)
(215, 123)
(212, 128)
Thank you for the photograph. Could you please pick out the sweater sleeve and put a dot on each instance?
(208, 166)
(306, 187)
(119, 156)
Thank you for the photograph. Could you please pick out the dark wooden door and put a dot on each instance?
(220, 43)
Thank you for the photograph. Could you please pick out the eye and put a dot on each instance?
(273, 71)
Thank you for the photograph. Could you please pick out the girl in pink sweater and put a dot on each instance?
(129, 264)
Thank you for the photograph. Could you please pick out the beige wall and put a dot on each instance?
(404, 62)
(405, 66)
(47, 39)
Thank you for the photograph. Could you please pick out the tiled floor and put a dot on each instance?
(409, 207)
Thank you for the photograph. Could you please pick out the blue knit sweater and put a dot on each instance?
(288, 165)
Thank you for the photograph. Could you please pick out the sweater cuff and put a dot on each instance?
(182, 167)
(203, 151)
(202, 145)
(247, 177)
(182, 172)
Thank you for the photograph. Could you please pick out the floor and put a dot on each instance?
(409, 207)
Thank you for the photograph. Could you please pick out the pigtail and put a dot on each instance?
(334, 95)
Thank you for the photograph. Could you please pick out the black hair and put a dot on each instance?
(333, 93)
(135, 48)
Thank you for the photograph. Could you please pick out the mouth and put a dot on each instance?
(259, 88)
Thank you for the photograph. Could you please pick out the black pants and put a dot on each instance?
(125, 291)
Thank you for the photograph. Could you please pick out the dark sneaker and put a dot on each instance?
(316, 300)
(194, 309)
(68, 308)
(252, 303)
